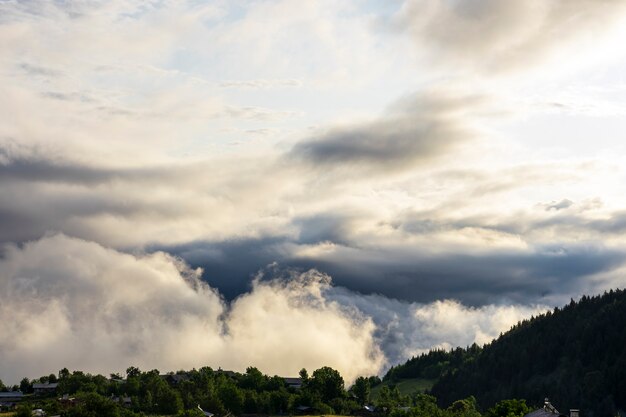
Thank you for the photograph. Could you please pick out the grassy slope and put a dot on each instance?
(405, 386)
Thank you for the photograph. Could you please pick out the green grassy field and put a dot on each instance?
(405, 386)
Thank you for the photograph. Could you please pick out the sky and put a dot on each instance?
(288, 184)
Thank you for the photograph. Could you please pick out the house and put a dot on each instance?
(124, 401)
(548, 410)
(45, 389)
(295, 383)
(230, 374)
(175, 379)
(8, 400)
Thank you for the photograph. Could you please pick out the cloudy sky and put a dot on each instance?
(330, 183)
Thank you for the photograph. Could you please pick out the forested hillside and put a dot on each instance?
(575, 355)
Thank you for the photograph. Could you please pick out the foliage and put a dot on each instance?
(222, 393)
(26, 386)
(190, 413)
(92, 404)
(424, 405)
(23, 410)
(574, 355)
(328, 383)
(361, 390)
(508, 408)
(433, 364)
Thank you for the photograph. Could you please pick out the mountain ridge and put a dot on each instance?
(575, 355)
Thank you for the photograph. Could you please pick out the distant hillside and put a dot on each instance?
(576, 356)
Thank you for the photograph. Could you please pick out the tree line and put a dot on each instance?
(224, 394)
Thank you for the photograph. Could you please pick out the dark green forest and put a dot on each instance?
(575, 355)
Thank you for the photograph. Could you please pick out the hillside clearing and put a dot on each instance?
(405, 386)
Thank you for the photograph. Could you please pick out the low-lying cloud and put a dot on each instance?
(69, 302)
(72, 303)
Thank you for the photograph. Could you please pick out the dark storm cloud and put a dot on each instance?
(541, 274)
(413, 131)
(323, 228)
(231, 265)
(535, 276)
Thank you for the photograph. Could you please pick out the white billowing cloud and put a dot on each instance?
(294, 324)
(449, 323)
(71, 303)
(406, 329)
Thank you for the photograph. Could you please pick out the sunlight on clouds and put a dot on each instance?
(72, 301)
(451, 320)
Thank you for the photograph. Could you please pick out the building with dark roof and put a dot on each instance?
(8, 400)
(293, 382)
(548, 410)
(45, 389)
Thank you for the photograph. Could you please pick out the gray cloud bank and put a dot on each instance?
(414, 130)
(544, 255)
(70, 302)
(544, 274)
